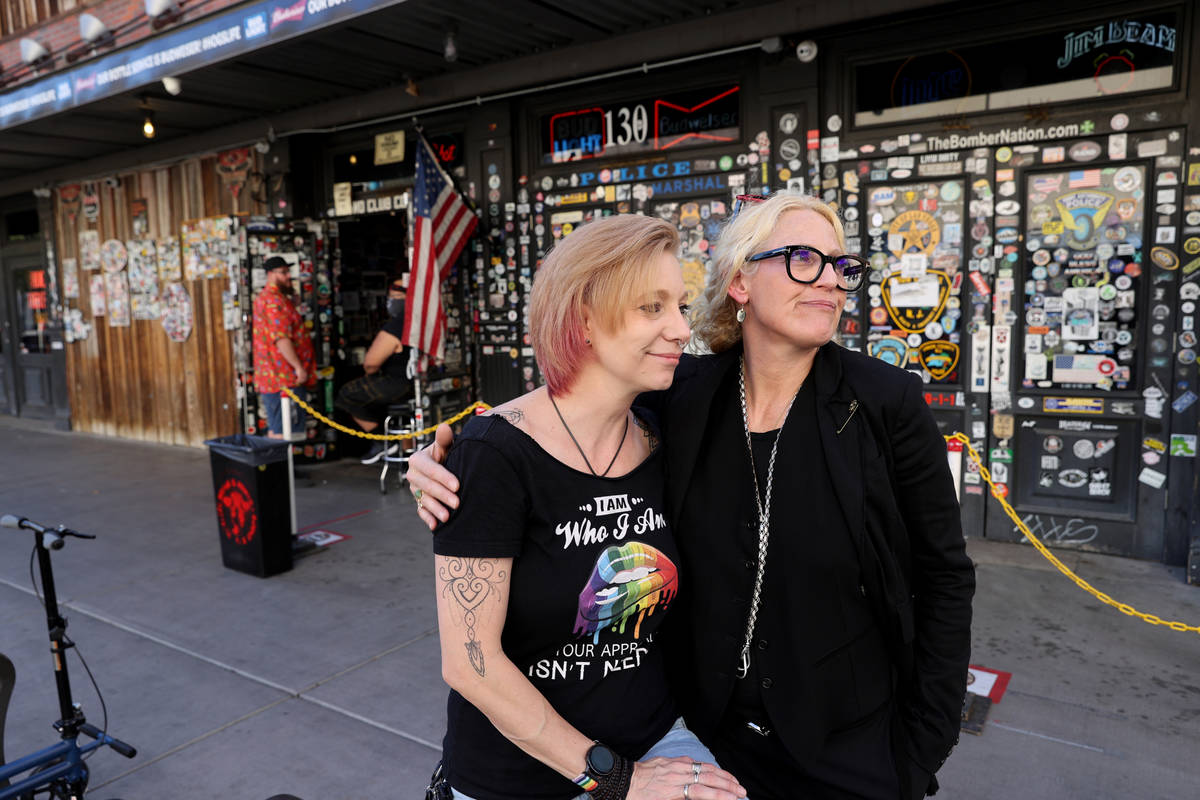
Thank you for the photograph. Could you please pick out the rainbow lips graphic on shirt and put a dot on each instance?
(631, 580)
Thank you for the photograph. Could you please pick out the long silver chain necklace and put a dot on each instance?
(764, 516)
(624, 433)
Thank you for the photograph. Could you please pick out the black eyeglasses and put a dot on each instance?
(805, 264)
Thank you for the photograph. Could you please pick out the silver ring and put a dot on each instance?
(686, 786)
(696, 768)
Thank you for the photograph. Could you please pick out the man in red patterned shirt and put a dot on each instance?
(283, 351)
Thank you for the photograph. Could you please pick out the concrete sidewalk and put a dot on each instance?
(324, 682)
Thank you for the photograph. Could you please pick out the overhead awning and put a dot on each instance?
(305, 64)
(204, 43)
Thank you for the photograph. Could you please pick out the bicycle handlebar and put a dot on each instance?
(54, 536)
(127, 750)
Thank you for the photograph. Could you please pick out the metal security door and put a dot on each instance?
(1089, 236)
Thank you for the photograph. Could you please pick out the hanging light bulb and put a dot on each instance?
(148, 129)
(450, 49)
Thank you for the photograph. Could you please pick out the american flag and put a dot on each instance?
(442, 226)
(1046, 184)
(1082, 368)
(1083, 178)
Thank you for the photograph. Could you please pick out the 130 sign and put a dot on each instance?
(684, 118)
(590, 132)
(635, 132)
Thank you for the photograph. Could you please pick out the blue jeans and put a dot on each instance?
(273, 406)
(679, 741)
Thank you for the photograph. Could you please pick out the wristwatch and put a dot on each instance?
(598, 764)
(600, 761)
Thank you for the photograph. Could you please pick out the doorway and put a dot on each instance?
(33, 364)
(33, 350)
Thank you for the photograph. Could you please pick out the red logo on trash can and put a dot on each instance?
(235, 512)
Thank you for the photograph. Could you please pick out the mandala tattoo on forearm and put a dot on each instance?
(467, 583)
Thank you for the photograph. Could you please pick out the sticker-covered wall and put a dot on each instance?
(1039, 268)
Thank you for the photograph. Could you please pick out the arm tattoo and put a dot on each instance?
(468, 582)
(649, 434)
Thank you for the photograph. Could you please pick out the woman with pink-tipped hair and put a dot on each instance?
(557, 569)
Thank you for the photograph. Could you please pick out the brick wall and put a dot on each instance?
(61, 34)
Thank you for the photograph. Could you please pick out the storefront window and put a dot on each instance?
(21, 226)
(32, 311)
(1115, 56)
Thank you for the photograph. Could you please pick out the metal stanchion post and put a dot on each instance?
(286, 412)
(418, 410)
(414, 374)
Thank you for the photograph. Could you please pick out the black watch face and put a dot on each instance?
(600, 759)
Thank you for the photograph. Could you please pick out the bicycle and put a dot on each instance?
(59, 770)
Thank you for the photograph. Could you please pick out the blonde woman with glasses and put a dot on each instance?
(827, 655)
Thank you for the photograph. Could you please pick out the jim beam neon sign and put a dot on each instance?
(1125, 31)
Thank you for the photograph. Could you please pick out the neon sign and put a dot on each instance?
(1116, 32)
(682, 119)
(1105, 57)
(928, 79)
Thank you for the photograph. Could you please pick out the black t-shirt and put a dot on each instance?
(594, 571)
(396, 365)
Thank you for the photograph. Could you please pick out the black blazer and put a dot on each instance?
(888, 465)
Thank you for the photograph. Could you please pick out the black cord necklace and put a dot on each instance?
(624, 433)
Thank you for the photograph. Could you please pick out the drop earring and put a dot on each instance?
(741, 315)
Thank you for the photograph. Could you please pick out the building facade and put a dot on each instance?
(1025, 183)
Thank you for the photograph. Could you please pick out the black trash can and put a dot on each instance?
(250, 482)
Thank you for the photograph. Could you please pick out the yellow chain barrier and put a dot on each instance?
(961, 438)
(382, 436)
(1124, 608)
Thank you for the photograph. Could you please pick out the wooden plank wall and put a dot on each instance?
(135, 382)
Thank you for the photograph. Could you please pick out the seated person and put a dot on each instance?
(386, 380)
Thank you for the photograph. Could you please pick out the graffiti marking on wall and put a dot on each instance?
(1051, 529)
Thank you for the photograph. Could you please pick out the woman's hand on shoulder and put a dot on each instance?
(667, 778)
(433, 486)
